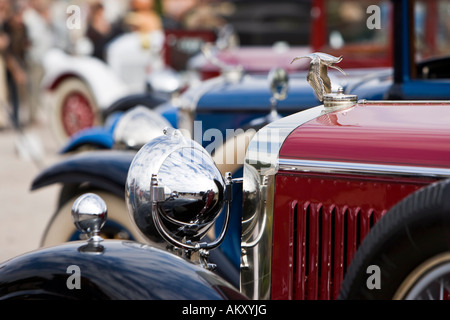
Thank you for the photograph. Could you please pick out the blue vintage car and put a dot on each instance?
(242, 103)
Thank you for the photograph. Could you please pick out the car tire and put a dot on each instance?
(73, 108)
(408, 245)
(61, 228)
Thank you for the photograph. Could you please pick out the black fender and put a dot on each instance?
(103, 169)
(115, 270)
(148, 100)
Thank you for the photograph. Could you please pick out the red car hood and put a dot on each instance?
(409, 134)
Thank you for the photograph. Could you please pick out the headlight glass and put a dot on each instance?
(193, 188)
(138, 126)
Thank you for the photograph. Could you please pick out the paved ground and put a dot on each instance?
(24, 214)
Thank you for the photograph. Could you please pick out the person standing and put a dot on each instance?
(39, 28)
(14, 55)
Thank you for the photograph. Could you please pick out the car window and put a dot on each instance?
(350, 22)
(265, 22)
(359, 30)
(432, 29)
(432, 38)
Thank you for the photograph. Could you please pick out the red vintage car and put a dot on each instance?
(272, 32)
(349, 199)
(333, 175)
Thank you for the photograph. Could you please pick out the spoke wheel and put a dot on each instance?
(118, 226)
(429, 281)
(77, 113)
(73, 108)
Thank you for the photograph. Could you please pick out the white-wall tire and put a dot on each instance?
(61, 227)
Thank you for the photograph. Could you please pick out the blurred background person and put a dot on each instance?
(100, 31)
(4, 44)
(143, 17)
(174, 12)
(140, 50)
(14, 55)
(37, 19)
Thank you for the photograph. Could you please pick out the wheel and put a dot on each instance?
(409, 248)
(74, 108)
(118, 225)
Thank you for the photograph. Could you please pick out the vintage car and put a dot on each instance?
(344, 199)
(82, 90)
(138, 66)
(222, 104)
(246, 66)
(104, 171)
(276, 31)
(85, 90)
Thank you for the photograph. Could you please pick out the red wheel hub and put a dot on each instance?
(77, 113)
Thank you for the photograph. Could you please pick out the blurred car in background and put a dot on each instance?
(290, 28)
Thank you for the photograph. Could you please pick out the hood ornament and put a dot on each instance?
(318, 72)
(89, 213)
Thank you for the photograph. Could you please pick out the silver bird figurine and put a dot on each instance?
(318, 72)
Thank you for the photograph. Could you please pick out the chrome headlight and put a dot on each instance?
(138, 126)
(166, 81)
(174, 184)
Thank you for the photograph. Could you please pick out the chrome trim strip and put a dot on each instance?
(404, 102)
(361, 168)
(260, 166)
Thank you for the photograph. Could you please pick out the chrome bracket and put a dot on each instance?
(157, 195)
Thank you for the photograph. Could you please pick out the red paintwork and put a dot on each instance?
(319, 221)
(76, 113)
(260, 59)
(415, 135)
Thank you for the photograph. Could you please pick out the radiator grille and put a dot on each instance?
(325, 238)
(319, 224)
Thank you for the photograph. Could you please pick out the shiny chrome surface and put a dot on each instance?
(165, 81)
(279, 83)
(339, 99)
(157, 197)
(137, 127)
(279, 86)
(89, 214)
(318, 72)
(187, 103)
(190, 191)
(361, 168)
(404, 102)
(261, 165)
(231, 72)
